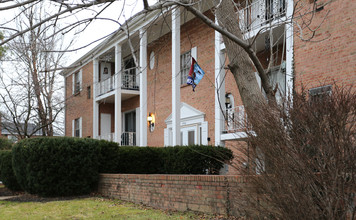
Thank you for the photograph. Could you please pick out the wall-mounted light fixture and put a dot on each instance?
(151, 121)
(227, 100)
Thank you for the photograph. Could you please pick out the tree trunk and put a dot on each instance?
(240, 64)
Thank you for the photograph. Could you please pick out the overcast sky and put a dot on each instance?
(96, 30)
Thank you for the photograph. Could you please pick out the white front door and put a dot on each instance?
(105, 126)
(189, 135)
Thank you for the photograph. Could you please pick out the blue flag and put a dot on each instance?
(195, 74)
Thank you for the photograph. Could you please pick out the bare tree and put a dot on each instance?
(31, 100)
(243, 63)
(242, 56)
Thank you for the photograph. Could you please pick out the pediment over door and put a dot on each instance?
(188, 114)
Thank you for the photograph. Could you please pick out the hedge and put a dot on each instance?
(57, 166)
(7, 175)
(172, 160)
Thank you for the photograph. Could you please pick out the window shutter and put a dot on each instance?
(204, 132)
(166, 141)
(73, 83)
(73, 128)
(80, 80)
(194, 53)
(80, 127)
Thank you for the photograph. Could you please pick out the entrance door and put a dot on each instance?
(129, 135)
(129, 77)
(105, 126)
(188, 136)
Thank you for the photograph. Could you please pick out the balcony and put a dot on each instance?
(260, 13)
(129, 79)
(236, 119)
(106, 86)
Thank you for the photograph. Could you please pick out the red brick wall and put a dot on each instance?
(203, 193)
(79, 105)
(333, 54)
(159, 80)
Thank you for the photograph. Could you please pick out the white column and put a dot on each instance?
(95, 103)
(289, 49)
(143, 88)
(118, 93)
(219, 90)
(176, 76)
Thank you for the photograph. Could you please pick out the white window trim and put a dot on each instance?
(80, 81)
(80, 127)
(194, 54)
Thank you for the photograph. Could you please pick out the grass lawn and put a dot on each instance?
(88, 208)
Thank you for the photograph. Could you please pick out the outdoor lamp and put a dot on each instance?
(151, 121)
(227, 100)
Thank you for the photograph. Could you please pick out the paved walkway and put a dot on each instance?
(6, 197)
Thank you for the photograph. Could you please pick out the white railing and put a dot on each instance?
(129, 79)
(108, 137)
(106, 86)
(128, 139)
(235, 119)
(260, 13)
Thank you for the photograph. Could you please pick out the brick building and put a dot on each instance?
(145, 101)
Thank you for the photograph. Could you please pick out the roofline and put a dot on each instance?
(136, 22)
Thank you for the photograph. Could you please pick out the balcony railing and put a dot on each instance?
(106, 86)
(108, 137)
(128, 139)
(260, 13)
(129, 79)
(236, 119)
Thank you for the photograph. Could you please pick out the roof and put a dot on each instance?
(136, 22)
(8, 128)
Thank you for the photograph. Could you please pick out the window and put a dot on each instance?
(185, 63)
(77, 82)
(77, 127)
(89, 92)
(318, 94)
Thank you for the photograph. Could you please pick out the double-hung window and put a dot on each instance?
(185, 62)
(77, 82)
(77, 127)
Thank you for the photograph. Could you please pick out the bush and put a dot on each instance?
(5, 144)
(108, 157)
(172, 160)
(7, 175)
(305, 153)
(59, 166)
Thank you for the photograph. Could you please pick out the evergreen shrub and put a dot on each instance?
(7, 175)
(57, 166)
(173, 160)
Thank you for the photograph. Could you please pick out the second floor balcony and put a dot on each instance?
(260, 13)
(235, 119)
(129, 81)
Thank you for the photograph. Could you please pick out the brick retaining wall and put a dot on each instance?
(204, 193)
